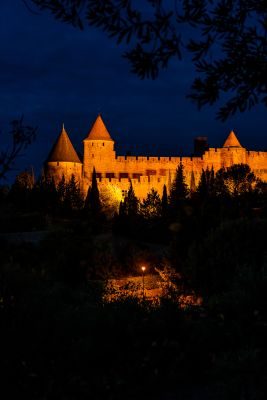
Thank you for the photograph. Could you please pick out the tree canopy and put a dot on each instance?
(226, 40)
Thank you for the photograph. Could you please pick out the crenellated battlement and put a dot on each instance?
(148, 159)
(145, 172)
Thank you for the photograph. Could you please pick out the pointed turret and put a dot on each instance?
(63, 149)
(232, 141)
(99, 130)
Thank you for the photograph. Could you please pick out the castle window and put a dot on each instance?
(150, 172)
(123, 175)
(103, 144)
(57, 163)
(92, 143)
(92, 155)
(110, 175)
(136, 176)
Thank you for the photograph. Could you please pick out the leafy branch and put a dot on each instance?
(227, 41)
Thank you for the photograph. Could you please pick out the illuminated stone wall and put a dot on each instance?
(57, 169)
(153, 172)
(115, 172)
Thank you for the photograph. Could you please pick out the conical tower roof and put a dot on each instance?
(99, 130)
(63, 149)
(232, 140)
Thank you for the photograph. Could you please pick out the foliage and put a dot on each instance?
(236, 180)
(60, 340)
(61, 189)
(164, 202)
(239, 179)
(130, 206)
(25, 180)
(128, 292)
(206, 184)
(73, 197)
(233, 32)
(179, 189)
(110, 197)
(22, 136)
(20, 191)
(151, 206)
(224, 252)
(92, 201)
(220, 187)
(144, 351)
(4, 190)
(44, 195)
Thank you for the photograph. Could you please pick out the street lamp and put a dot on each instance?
(143, 268)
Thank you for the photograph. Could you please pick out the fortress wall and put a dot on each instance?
(151, 172)
(60, 168)
(141, 186)
(115, 172)
(230, 156)
(257, 160)
(134, 165)
(140, 167)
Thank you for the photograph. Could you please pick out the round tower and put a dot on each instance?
(63, 160)
(232, 151)
(98, 152)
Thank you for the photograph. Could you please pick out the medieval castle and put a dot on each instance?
(115, 172)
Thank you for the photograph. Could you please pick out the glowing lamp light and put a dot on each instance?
(143, 268)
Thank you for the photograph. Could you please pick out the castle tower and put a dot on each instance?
(63, 159)
(98, 152)
(232, 151)
(232, 141)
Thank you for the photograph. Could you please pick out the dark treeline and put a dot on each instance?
(182, 220)
(235, 187)
(60, 340)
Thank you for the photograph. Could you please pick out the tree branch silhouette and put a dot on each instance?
(226, 39)
(22, 136)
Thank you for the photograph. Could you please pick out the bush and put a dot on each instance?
(225, 253)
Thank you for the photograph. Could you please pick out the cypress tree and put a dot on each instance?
(206, 185)
(131, 202)
(122, 209)
(192, 183)
(164, 202)
(61, 189)
(73, 198)
(49, 193)
(202, 188)
(120, 221)
(179, 188)
(92, 201)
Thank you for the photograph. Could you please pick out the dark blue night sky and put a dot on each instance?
(52, 73)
